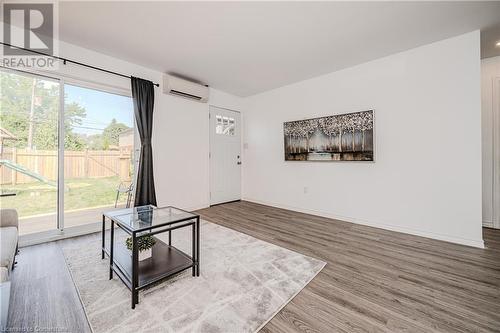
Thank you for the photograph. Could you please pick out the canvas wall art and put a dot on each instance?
(343, 137)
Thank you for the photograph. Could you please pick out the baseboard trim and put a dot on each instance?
(488, 224)
(223, 203)
(195, 208)
(391, 227)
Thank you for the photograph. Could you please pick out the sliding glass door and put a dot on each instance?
(62, 160)
(98, 153)
(29, 149)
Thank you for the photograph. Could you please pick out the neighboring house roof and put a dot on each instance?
(126, 138)
(127, 131)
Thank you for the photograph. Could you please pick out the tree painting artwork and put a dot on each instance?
(344, 137)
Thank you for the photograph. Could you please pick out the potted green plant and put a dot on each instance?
(144, 245)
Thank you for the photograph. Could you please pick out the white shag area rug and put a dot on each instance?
(243, 283)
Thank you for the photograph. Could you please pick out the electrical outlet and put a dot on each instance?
(306, 189)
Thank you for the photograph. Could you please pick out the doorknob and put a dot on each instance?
(239, 163)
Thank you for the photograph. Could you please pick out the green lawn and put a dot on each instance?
(39, 198)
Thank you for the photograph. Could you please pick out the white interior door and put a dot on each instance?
(225, 155)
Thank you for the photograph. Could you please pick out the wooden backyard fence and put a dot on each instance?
(77, 164)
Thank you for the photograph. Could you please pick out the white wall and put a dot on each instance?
(490, 78)
(181, 147)
(180, 133)
(427, 176)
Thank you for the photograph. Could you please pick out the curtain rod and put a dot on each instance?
(65, 60)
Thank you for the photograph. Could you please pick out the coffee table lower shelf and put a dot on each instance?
(165, 261)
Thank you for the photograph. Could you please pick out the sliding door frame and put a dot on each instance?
(60, 139)
(60, 160)
(60, 232)
(93, 86)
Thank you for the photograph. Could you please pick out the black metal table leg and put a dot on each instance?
(112, 245)
(135, 271)
(131, 276)
(198, 246)
(193, 249)
(103, 235)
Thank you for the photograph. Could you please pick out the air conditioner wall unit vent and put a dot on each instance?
(183, 88)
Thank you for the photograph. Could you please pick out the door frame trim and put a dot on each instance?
(495, 146)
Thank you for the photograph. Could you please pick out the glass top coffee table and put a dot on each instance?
(165, 261)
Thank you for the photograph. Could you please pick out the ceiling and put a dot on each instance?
(249, 47)
(489, 38)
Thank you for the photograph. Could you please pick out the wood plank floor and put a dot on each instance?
(374, 281)
(43, 296)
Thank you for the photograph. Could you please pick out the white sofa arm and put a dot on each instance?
(4, 304)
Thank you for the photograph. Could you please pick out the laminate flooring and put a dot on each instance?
(374, 281)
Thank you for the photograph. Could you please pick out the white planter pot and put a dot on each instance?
(143, 255)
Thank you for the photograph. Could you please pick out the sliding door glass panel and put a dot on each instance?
(29, 113)
(98, 153)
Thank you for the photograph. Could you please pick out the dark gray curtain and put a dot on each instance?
(144, 95)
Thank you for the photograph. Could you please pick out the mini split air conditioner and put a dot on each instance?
(183, 88)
